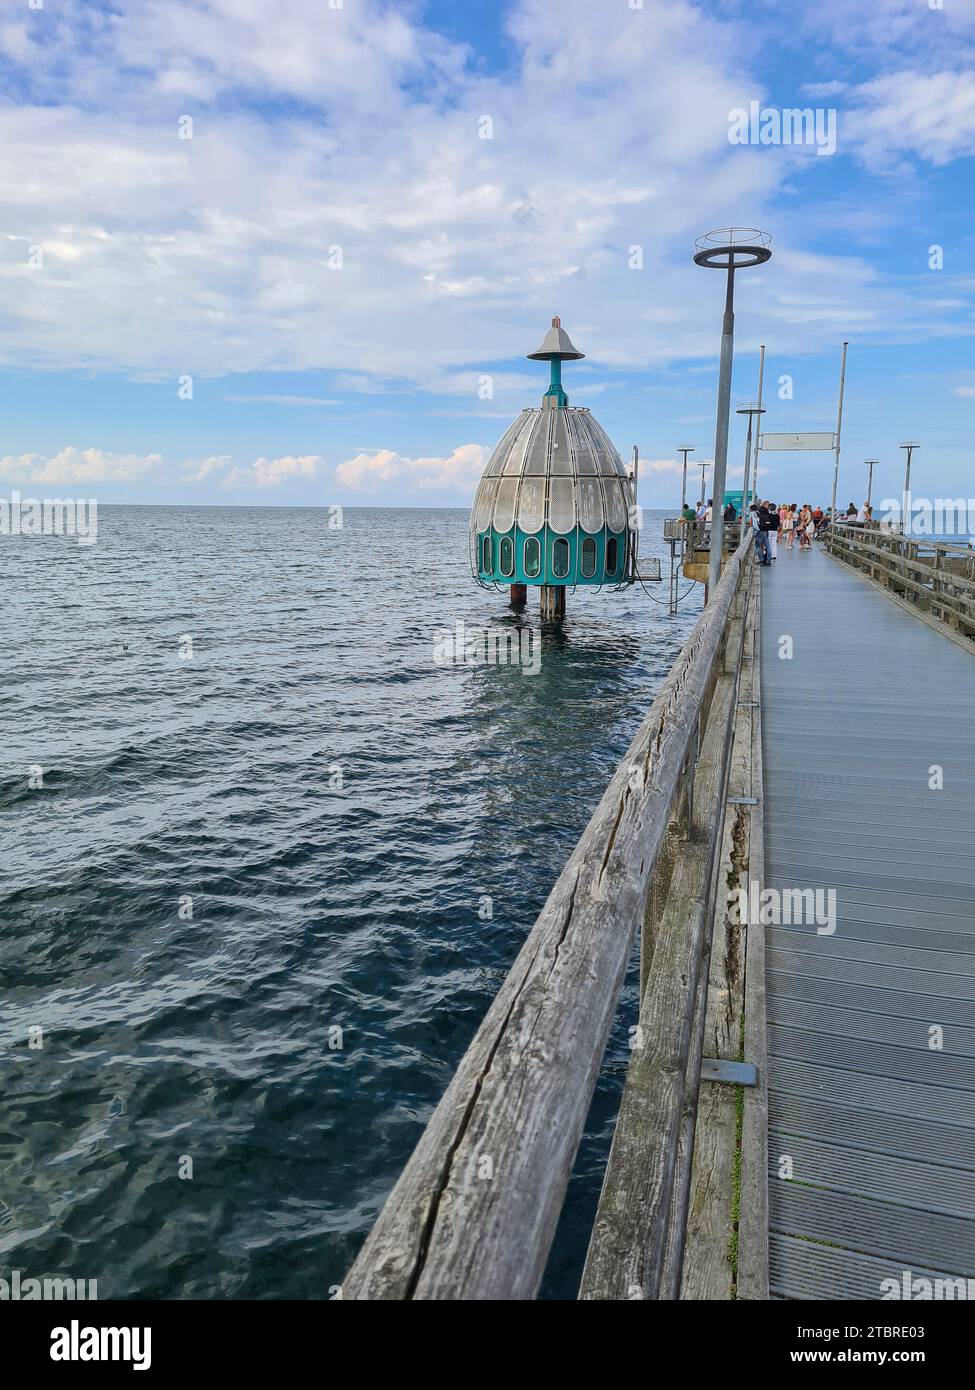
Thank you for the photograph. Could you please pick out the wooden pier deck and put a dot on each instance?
(871, 1108)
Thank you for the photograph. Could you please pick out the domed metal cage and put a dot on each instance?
(555, 505)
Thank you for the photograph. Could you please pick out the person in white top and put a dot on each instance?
(862, 513)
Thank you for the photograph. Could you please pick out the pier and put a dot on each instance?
(787, 843)
(869, 752)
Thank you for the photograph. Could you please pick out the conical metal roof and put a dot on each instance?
(556, 468)
(556, 343)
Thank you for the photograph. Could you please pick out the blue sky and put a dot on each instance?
(326, 294)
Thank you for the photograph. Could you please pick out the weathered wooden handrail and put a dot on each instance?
(637, 1246)
(474, 1212)
(938, 584)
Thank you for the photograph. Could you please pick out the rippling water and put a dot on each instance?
(316, 906)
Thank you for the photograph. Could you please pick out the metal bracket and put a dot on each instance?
(732, 1073)
(742, 800)
(748, 704)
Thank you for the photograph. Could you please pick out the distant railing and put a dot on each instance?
(474, 1212)
(936, 577)
(695, 533)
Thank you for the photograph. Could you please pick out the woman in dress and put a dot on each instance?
(787, 524)
(807, 527)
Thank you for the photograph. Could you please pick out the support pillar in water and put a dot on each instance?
(552, 602)
(519, 595)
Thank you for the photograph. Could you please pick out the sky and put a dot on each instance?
(294, 252)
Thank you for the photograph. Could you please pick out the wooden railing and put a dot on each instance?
(474, 1212)
(935, 577)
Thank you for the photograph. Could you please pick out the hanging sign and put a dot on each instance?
(770, 443)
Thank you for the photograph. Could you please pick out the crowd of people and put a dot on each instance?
(768, 519)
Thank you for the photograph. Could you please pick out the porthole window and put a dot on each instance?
(560, 558)
(486, 560)
(588, 557)
(533, 557)
(507, 556)
(612, 554)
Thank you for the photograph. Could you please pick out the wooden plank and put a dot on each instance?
(753, 1251)
(677, 1222)
(474, 1211)
(626, 1257)
(707, 1271)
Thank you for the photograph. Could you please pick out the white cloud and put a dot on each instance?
(264, 472)
(14, 41)
(17, 465)
(89, 466)
(453, 248)
(674, 465)
(217, 255)
(366, 471)
(928, 115)
(461, 471)
(822, 89)
(458, 472)
(206, 467)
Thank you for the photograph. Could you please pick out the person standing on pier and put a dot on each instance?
(759, 514)
(773, 529)
(788, 526)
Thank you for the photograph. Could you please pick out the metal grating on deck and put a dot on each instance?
(878, 1125)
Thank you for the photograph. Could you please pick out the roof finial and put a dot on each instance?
(557, 347)
(556, 344)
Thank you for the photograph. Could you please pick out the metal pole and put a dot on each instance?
(635, 547)
(870, 463)
(839, 427)
(758, 436)
(746, 495)
(721, 432)
(906, 519)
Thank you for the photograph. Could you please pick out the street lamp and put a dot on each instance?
(729, 249)
(684, 449)
(703, 467)
(870, 465)
(751, 411)
(910, 445)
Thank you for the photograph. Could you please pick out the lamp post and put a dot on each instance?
(909, 445)
(729, 249)
(684, 449)
(870, 463)
(758, 432)
(703, 467)
(839, 430)
(751, 411)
